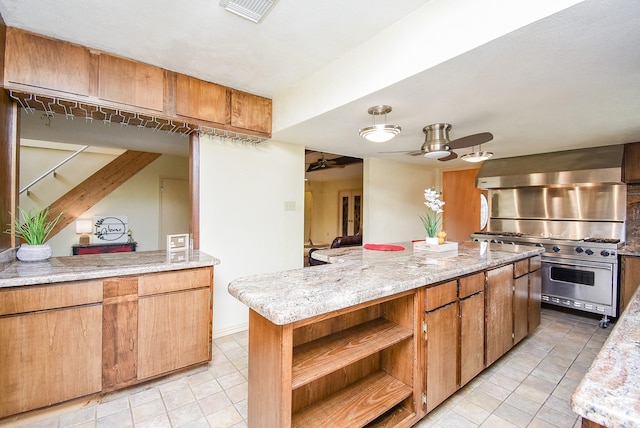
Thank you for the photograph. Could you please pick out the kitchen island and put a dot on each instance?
(76, 326)
(380, 338)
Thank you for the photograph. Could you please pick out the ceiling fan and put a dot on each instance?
(338, 162)
(438, 146)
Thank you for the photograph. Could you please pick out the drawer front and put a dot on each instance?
(471, 284)
(535, 263)
(440, 295)
(165, 282)
(521, 267)
(41, 297)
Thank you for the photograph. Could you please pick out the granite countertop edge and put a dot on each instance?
(609, 393)
(352, 278)
(95, 266)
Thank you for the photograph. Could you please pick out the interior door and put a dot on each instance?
(462, 206)
(175, 209)
(350, 212)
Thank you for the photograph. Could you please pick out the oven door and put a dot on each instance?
(581, 281)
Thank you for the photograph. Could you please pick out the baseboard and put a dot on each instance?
(230, 330)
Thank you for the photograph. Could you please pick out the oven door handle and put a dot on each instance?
(606, 266)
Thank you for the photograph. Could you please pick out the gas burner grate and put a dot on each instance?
(602, 240)
(512, 234)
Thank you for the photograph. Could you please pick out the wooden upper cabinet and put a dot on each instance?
(631, 164)
(130, 82)
(202, 100)
(250, 112)
(46, 63)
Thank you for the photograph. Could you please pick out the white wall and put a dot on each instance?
(393, 200)
(138, 198)
(326, 209)
(243, 221)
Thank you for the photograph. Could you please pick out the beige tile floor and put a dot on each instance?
(529, 387)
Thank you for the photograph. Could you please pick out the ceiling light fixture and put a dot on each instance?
(379, 133)
(436, 141)
(253, 10)
(479, 156)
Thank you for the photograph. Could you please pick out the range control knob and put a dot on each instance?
(579, 250)
(539, 245)
(604, 253)
(588, 252)
(556, 249)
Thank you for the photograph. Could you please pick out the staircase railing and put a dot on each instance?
(53, 169)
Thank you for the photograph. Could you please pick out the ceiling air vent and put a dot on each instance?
(253, 10)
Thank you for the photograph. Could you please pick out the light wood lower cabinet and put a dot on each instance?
(173, 331)
(350, 368)
(69, 340)
(471, 337)
(48, 357)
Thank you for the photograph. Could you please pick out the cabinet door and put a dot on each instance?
(631, 165)
(499, 314)
(202, 100)
(119, 332)
(48, 357)
(173, 331)
(629, 280)
(520, 308)
(442, 354)
(131, 82)
(471, 337)
(535, 299)
(250, 112)
(45, 63)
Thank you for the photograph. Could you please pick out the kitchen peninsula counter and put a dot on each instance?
(380, 338)
(76, 326)
(95, 266)
(355, 275)
(609, 393)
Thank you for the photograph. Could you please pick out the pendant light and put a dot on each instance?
(381, 132)
(479, 156)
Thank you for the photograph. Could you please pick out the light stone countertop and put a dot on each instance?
(609, 394)
(629, 250)
(356, 275)
(93, 266)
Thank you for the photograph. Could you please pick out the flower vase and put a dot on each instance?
(432, 240)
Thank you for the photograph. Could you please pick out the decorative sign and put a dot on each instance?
(178, 242)
(110, 228)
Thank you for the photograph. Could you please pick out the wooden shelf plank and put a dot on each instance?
(396, 418)
(315, 359)
(355, 405)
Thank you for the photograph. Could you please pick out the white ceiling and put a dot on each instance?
(567, 80)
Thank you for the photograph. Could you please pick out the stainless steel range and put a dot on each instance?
(572, 203)
(580, 274)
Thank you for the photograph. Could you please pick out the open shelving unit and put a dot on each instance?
(353, 367)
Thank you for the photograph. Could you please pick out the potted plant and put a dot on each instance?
(34, 227)
(432, 220)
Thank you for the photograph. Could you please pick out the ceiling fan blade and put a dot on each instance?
(471, 140)
(451, 156)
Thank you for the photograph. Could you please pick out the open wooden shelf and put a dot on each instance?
(315, 359)
(356, 405)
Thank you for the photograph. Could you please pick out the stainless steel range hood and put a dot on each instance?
(596, 165)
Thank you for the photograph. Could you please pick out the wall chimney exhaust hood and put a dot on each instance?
(595, 165)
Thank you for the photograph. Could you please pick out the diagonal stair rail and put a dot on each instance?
(53, 169)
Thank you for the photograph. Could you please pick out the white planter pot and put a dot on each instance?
(432, 241)
(33, 253)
